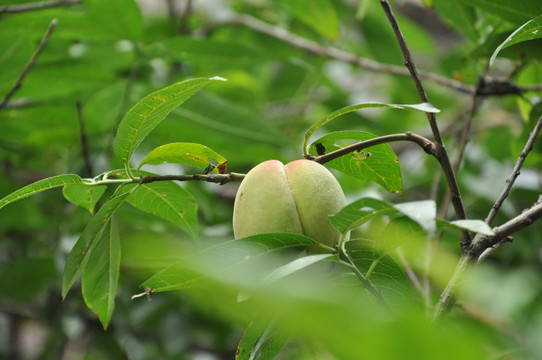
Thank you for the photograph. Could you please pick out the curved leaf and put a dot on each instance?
(359, 212)
(262, 341)
(41, 185)
(377, 163)
(147, 113)
(477, 226)
(192, 154)
(101, 273)
(362, 210)
(84, 246)
(223, 259)
(531, 30)
(386, 275)
(425, 107)
(296, 265)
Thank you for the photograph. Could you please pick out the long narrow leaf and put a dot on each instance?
(425, 107)
(41, 185)
(101, 273)
(83, 248)
(147, 113)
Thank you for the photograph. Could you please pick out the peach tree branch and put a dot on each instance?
(490, 88)
(427, 145)
(30, 64)
(515, 172)
(442, 154)
(36, 6)
(483, 245)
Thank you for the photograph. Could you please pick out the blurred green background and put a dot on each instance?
(107, 55)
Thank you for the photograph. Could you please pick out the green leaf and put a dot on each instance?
(196, 155)
(83, 248)
(359, 212)
(101, 273)
(147, 113)
(531, 30)
(517, 11)
(477, 226)
(400, 230)
(425, 107)
(168, 200)
(386, 275)
(212, 116)
(262, 341)
(41, 185)
(377, 163)
(423, 212)
(84, 195)
(225, 258)
(461, 16)
(318, 14)
(296, 265)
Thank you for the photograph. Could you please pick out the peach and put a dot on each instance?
(297, 198)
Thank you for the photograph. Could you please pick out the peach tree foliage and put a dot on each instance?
(401, 269)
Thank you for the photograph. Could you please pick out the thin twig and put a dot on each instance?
(442, 154)
(83, 137)
(483, 245)
(313, 47)
(36, 6)
(491, 88)
(29, 65)
(427, 145)
(183, 26)
(447, 298)
(413, 278)
(515, 172)
(220, 179)
(505, 230)
(485, 254)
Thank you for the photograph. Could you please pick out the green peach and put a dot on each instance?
(297, 198)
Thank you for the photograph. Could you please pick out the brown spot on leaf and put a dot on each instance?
(222, 167)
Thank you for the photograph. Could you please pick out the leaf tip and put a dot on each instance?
(218, 78)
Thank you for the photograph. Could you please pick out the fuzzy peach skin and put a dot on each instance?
(297, 197)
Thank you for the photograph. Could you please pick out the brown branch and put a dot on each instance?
(515, 172)
(29, 65)
(442, 154)
(427, 145)
(183, 26)
(478, 247)
(503, 231)
(36, 6)
(483, 245)
(83, 137)
(313, 47)
(491, 88)
(220, 179)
